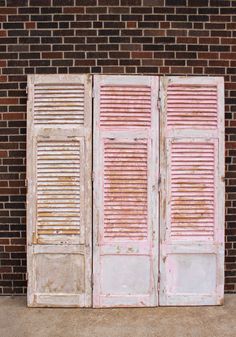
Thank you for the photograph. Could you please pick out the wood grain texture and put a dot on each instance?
(59, 203)
(192, 191)
(125, 227)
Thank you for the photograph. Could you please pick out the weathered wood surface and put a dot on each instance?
(125, 226)
(192, 191)
(59, 201)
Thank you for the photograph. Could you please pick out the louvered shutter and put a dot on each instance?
(192, 191)
(125, 191)
(59, 207)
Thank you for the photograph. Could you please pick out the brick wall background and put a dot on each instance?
(177, 37)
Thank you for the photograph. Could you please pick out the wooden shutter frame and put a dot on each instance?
(97, 206)
(81, 245)
(166, 247)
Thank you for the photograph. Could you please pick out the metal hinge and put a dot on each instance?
(158, 281)
(26, 185)
(159, 183)
(34, 238)
(26, 90)
(93, 93)
(93, 176)
(159, 99)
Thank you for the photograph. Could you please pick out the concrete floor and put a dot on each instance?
(16, 320)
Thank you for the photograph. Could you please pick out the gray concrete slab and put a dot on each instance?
(16, 320)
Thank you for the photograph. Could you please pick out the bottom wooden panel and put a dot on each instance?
(59, 277)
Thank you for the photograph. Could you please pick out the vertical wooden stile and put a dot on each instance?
(192, 191)
(59, 209)
(125, 200)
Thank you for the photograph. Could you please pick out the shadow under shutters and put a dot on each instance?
(125, 190)
(192, 106)
(59, 104)
(58, 187)
(192, 190)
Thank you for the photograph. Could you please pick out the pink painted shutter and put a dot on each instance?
(59, 209)
(192, 191)
(125, 191)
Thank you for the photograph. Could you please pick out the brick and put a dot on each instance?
(16, 18)
(108, 32)
(73, 10)
(40, 3)
(3, 154)
(153, 2)
(131, 24)
(131, 2)
(82, 24)
(151, 24)
(140, 55)
(52, 55)
(51, 10)
(5, 10)
(119, 54)
(217, 18)
(13, 25)
(198, 3)
(117, 10)
(208, 10)
(114, 25)
(154, 32)
(221, 3)
(113, 70)
(28, 10)
(41, 17)
(62, 2)
(47, 25)
(40, 33)
(176, 2)
(142, 10)
(154, 17)
(17, 3)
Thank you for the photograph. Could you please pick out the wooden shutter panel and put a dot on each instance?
(192, 191)
(125, 191)
(59, 190)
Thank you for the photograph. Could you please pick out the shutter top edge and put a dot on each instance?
(218, 80)
(51, 78)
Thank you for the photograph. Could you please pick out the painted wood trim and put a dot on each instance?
(68, 246)
(99, 247)
(216, 248)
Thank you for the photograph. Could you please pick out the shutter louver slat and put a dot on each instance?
(125, 185)
(125, 106)
(57, 104)
(192, 190)
(191, 106)
(63, 159)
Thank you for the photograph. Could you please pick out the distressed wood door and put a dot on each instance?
(59, 211)
(125, 218)
(192, 191)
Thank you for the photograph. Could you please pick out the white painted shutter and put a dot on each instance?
(59, 207)
(192, 191)
(125, 191)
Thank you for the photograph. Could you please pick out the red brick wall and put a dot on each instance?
(177, 37)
